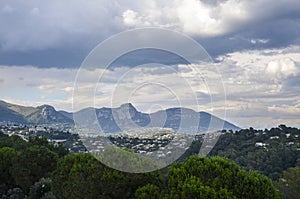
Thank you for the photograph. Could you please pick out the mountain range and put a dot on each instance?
(115, 119)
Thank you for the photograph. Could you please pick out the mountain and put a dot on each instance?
(7, 114)
(127, 117)
(67, 114)
(112, 119)
(183, 118)
(44, 114)
(117, 119)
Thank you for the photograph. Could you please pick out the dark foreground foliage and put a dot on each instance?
(279, 150)
(36, 169)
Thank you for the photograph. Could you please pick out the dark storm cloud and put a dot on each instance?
(278, 33)
(62, 58)
(144, 56)
(61, 34)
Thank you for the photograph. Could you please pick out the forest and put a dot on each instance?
(278, 149)
(235, 168)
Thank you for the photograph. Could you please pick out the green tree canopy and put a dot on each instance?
(79, 175)
(289, 183)
(32, 164)
(7, 156)
(215, 177)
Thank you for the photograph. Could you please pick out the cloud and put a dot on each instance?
(256, 45)
(285, 109)
(225, 26)
(261, 86)
(37, 85)
(68, 89)
(61, 34)
(207, 19)
(282, 68)
(189, 16)
(29, 25)
(262, 41)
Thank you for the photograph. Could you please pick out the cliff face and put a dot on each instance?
(117, 119)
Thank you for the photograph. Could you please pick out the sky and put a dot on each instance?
(255, 47)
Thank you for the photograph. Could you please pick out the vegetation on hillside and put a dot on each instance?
(37, 169)
(289, 183)
(268, 151)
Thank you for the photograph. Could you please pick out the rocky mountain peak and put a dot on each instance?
(128, 106)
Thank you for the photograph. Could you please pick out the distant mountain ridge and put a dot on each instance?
(117, 119)
(44, 114)
(126, 117)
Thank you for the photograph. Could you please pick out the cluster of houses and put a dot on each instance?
(54, 136)
(161, 142)
(143, 145)
(274, 138)
(160, 145)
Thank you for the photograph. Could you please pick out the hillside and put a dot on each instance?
(272, 152)
(113, 120)
(128, 117)
(36, 169)
(7, 114)
(44, 114)
(269, 151)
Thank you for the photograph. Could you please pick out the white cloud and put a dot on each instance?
(207, 19)
(198, 18)
(248, 78)
(285, 109)
(190, 16)
(263, 65)
(30, 25)
(36, 86)
(262, 41)
(130, 18)
(68, 89)
(262, 84)
(282, 68)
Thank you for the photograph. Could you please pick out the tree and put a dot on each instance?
(23, 163)
(148, 191)
(127, 160)
(31, 165)
(289, 183)
(7, 156)
(216, 177)
(14, 142)
(271, 160)
(14, 193)
(60, 150)
(41, 189)
(81, 175)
